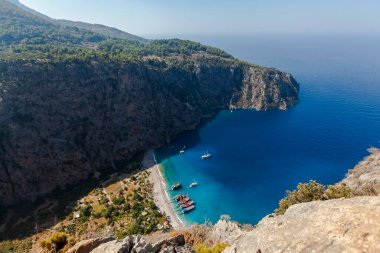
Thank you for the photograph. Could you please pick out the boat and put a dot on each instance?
(193, 184)
(182, 150)
(178, 197)
(187, 204)
(183, 201)
(206, 155)
(188, 209)
(176, 186)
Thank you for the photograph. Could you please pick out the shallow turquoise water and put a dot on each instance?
(257, 156)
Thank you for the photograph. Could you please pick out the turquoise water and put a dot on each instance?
(257, 156)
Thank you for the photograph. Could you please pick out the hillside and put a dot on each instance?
(102, 29)
(74, 103)
(97, 28)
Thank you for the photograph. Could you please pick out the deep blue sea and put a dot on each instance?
(257, 156)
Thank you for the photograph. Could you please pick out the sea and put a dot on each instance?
(258, 156)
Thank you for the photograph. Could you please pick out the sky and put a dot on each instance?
(221, 17)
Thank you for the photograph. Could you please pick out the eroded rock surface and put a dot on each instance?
(364, 179)
(341, 225)
(137, 244)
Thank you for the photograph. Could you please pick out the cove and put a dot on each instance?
(257, 156)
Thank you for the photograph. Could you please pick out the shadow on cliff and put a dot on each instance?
(27, 219)
(186, 139)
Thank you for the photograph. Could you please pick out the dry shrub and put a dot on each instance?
(203, 248)
(197, 234)
(337, 191)
(367, 189)
(58, 242)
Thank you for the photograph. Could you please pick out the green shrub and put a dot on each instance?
(305, 192)
(135, 229)
(118, 201)
(313, 191)
(121, 234)
(85, 213)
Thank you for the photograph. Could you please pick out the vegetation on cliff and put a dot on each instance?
(27, 36)
(312, 191)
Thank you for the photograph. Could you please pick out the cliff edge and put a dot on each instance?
(63, 122)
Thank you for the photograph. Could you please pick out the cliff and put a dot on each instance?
(61, 122)
(74, 102)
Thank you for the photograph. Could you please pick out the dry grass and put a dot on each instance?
(197, 234)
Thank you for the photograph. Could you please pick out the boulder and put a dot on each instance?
(116, 246)
(88, 245)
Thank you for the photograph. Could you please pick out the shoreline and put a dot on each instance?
(160, 195)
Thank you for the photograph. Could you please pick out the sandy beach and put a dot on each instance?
(161, 199)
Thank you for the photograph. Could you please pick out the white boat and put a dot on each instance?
(182, 150)
(206, 155)
(193, 184)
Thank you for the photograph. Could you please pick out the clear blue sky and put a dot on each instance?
(147, 17)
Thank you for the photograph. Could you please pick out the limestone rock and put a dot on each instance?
(340, 225)
(88, 245)
(364, 179)
(115, 246)
(184, 249)
(225, 231)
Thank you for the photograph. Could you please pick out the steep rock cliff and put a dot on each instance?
(61, 122)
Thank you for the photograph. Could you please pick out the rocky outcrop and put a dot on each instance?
(364, 179)
(88, 245)
(61, 122)
(341, 225)
(136, 244)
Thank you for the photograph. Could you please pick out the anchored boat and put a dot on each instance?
(183, 201)
(206, 155)
(188, 209)
(187, 204)
(193, 184)
(179, 197)
(176, 186)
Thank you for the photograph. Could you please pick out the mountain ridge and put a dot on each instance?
(101, 29)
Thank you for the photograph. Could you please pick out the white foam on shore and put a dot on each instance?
(166, 192)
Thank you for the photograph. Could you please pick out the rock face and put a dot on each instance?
(62, 122)
(342, 225)
(136, 244)
(88, 245)
(364, 179)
